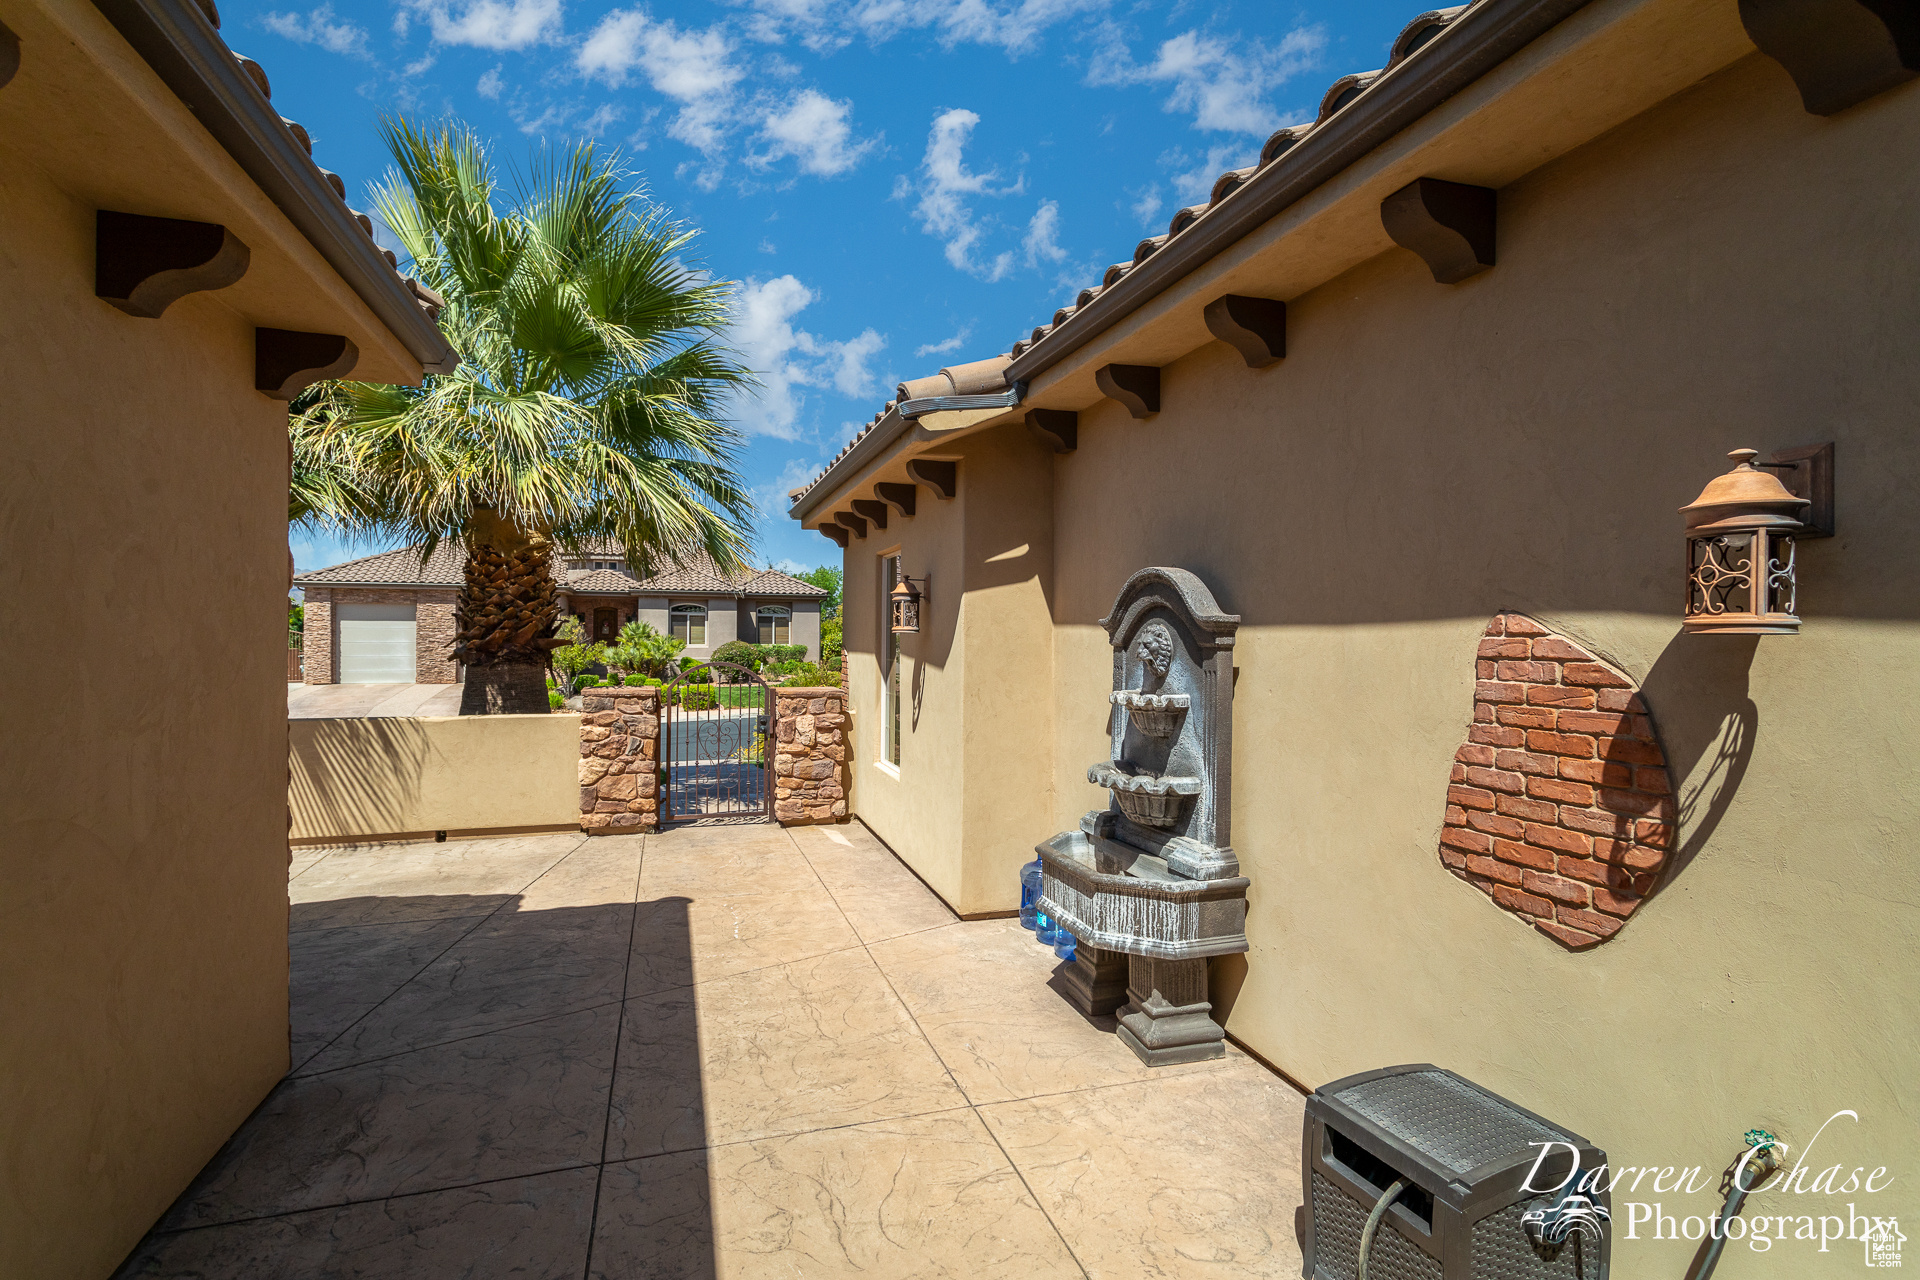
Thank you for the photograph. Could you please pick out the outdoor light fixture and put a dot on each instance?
(906, 606)
(1740, 553)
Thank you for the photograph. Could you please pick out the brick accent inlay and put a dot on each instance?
(1560, 807)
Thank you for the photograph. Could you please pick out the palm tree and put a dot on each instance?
(587, 405)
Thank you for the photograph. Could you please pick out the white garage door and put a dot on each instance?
(376, 643)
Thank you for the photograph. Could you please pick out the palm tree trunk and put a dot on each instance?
(506, 614)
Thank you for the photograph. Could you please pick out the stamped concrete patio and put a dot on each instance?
(722, 1051)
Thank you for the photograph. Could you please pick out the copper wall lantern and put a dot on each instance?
(906, 606)
(1740, 571)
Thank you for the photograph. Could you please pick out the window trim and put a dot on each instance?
(689, 611)
(782, 619)
(892, 685)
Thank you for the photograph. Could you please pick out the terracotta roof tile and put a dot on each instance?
(447, 568)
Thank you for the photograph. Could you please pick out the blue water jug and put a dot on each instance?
(1066, 946)
(1030, 895)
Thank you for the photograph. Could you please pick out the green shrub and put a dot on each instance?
(738, 651)
(555, 701)
(808, 674)
(830, 639)
(638, 680)
(695, 697)
(787, 652)
(587, 682)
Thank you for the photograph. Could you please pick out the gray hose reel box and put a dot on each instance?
(1466, 1154)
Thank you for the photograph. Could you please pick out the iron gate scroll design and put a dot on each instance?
(716, 740)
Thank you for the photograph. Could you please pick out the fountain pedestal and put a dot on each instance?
(1153, 878)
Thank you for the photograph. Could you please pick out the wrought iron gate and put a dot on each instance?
(716, 742)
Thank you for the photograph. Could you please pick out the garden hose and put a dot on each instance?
(1763, 1154)
(1373, 1224)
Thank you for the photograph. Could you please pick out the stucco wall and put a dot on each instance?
(363, 777)
(143, 984)
(1724, 271)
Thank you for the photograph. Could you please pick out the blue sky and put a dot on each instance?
(895, 184)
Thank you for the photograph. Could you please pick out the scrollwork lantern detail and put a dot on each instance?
(1740, 554)
(906, 598)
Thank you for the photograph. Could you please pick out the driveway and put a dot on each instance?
(723, 1051)
(347, 701)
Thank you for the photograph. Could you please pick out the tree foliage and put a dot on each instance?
(827, 578)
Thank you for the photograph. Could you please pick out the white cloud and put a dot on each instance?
(813, 129)
(490, 84)
(487, 24)
(1222, 81)
(788, 359)
(1043, 232)
(1147, 205)
(317, 26)
(943, 209)
(945, 345)
(826, 25)
(1194, 183)
(693, 68)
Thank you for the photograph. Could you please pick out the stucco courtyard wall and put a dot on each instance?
(1428, 456)
(410, 776)
(143, 891)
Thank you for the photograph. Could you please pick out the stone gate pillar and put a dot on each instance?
(620, 760)
(810, 767)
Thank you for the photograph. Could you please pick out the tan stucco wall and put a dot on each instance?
(143, 980)
(363, 777)
(1724, 270)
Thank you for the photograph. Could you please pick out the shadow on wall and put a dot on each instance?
(361, 775)
(452, 1116)
(1707, 724)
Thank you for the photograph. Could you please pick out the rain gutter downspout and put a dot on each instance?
(1476, 42)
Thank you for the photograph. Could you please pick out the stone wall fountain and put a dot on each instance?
(1150, 886)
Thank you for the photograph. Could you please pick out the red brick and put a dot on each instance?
(1657, 835)
(1531, 810)
(1569, 892)
(1457, 774)
(1526, 717)
(1520, 625)
(1528, 762)
(1599, 925)
(1598, 722)
(1614, 904)
(1456, 815)
(1612, 850)
(1470, 797)
(1486, 669)
(1503, 647)
(1497, 825)
(1641, 858)
(1483, 713)
(1621, 700)
(1496, 780)
(1559, 695)
(1474, 753)
(1598, 873)
(1598, 772)
(1559, 840)
(1594, 674)
(1560, 792)
(1572, 939)
(1614, 826)
(1523, 855)
(1498, 627)
(1529, 904)
(1461, 838)
(1635, 802)
(1558, 650)
(1495, 691)
(1453, 858)
(1531, 672)
(1654, 780)
(1500, 871)
(1630, 751)
(1493, 735)
(1559, 744)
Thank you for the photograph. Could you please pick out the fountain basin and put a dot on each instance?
(1152, 800)
(1142, 910)
(1157, 715)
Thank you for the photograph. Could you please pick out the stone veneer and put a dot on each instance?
(810, 764)
(1560, 807)
(620, 760)
(434, 629)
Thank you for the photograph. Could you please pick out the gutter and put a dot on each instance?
(1008, 399)
(1476, 42)
(178, 42)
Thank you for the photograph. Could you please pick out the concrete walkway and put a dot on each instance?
(724, 1051)
(347, 701)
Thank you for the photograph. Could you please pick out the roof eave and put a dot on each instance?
(183, 49)
(851, 463)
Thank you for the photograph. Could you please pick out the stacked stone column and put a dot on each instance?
(620, 760)
(810, 764)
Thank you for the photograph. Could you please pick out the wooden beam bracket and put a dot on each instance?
(1839, 52)
(144, 265)
(874, 512)
(1255, 327)
(901, 497)
(941, 477)
(848, 520)
(834, 531)
(1449, 224)
(1058, 429)
(287, 362)
(1136, 386)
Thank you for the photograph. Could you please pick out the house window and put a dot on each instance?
(890, 677)
(690, 623)
(774, 625)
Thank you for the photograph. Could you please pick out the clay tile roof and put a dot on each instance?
(446, 567)
(601, 582)
(1338, 95)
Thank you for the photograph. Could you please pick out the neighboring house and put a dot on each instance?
(389, 619)
(1375, 441)
(176, 267)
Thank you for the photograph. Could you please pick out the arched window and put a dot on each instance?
(690, 623)
(773, 624)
